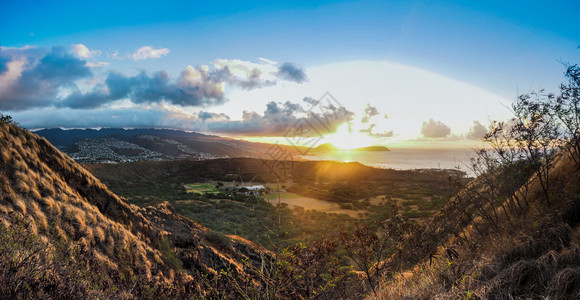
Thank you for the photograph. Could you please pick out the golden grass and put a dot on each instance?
(41, 178)
(64, 203)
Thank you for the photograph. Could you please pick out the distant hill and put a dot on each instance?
(65, 235)
(373, 148)
(327, 147)
(126, 145)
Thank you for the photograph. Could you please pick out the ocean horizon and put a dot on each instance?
(402, 159)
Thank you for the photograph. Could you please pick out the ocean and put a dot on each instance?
(402, 159)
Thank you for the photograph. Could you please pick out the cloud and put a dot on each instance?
(82, 51)
(386, 134)
(268, 61)
(434, 129)
(369, 112)
(249, 75)
(97, 64)
(3, 65)
(245, 74)
(476, 132)
(40, 77)
(369, 131)
(204, 115)
(311, 101)
(192, 88)
(278, 119)
(36, 81)
(148, 52)
(291, 72)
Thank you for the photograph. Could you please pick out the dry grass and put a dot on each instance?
(62, 201)
(532, 256)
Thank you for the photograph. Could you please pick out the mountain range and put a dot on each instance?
(126, 145)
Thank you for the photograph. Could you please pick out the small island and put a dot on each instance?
(373, 148)
(326, 147)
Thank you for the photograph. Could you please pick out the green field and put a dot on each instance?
(201, 188)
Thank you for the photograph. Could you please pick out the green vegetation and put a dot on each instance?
(201, 188)
(250, 217)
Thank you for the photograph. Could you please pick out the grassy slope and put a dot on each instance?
(52, 209)
(535, 254)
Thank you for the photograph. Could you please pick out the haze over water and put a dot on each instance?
(401, 159)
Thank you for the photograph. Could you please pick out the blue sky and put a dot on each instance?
(473, 50)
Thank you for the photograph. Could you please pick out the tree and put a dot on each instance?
(536, 132)
(567, 108)
(368, 246)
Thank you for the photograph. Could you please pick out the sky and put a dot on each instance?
(356, 72)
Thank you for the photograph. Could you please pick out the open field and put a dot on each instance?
(295, 200)
(201, 188)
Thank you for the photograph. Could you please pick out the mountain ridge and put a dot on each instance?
(141, 144)
(60, 203)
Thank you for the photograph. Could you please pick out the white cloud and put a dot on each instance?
(268, 61)
(434, 129)
(246, 69)
(81, 50)
(476, 132)
(148, 52)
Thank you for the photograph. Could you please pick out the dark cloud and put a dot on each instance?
(42, 79)
(311, 101)
(3, 64)
(204, 115)
(434, 129)
(277, 120)
(280, 118)
(58, 68)
(476, 132)
(370, 111)
(291, 72)
(190, 89)
(252, 81)
(78, 100)
(51, 77)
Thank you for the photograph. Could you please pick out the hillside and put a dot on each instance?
(521, 248)
(65, 235)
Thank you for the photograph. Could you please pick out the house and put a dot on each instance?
(251, 189)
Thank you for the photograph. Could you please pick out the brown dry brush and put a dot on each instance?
(296, 272)
(369, 245)
(32, 267)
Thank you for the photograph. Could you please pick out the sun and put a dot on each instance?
(344, 139)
